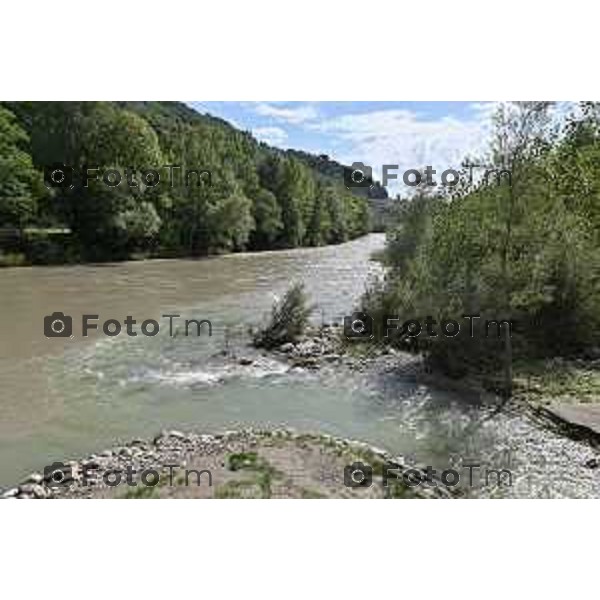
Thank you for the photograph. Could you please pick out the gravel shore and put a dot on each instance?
(236, 464)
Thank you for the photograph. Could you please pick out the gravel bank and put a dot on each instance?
(242, 464)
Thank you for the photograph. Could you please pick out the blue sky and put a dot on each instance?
(410, 134)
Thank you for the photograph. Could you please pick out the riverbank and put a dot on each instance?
(281, 462)
(564, 394)
(63, 258)
(237, 464)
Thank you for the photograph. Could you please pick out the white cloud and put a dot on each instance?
(275, 136)
(294, 115)
(402, 137)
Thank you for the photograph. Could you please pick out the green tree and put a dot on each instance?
(230, 222)
(112, 136)
(17, 204)
(137, 224)
(266, 213)
(522, 249)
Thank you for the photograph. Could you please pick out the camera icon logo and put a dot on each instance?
(58, 176)
(58, 475)
(358, 325)
(58, 325)
(358, 475)
(358, 175)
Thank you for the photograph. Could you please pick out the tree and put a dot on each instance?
(337, 216)
(230, 222)
(266, 213)
(504, 250)
(318, 229)
(17, 204)
(137, 224)
(260, 197)
(111, 136)
(520, 140)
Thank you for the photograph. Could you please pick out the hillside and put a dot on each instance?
(259, 197)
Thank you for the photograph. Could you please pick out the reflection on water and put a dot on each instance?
(63, 398)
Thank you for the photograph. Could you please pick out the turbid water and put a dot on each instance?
(66, 397)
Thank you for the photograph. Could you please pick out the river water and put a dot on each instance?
(67, 397)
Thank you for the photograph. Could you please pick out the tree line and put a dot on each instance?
(525, 249)
(259, 198)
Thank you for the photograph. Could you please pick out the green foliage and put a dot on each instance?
(263, 476)
(119, 137)
(266, 213)
(242, 460)
(230, 222)
(260, 197)
(12, 259)
(289, 319)
(17, 202)
(528, 251)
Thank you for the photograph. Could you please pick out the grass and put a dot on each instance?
(245, 488)
(141, 492)
(569, 381)
(149, 491)
(262, 472)
(310, 494)
(242, 460)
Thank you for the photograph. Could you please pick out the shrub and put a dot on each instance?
(289, 318)
(12, 259)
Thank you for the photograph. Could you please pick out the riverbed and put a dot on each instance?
(66, 397)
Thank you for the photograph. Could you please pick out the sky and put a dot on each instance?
(409, 134)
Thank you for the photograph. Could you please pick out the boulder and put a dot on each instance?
(287, 347)
(34, 478)
(33, 489)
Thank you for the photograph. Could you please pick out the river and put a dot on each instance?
(68, 397)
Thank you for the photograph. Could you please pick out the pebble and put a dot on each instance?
(34, 478)
(33, 489)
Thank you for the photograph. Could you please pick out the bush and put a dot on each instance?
(49, 248)
(289, 318)
(12, 259)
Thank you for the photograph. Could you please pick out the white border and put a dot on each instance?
(313, 50)
(299, 549)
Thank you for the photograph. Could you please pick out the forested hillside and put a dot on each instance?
(259, 197)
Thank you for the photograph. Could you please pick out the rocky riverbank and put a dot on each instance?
(254, 463)
(247, 463)
(565, 393)
(559, 394)
(236, 464)
(324, 347)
